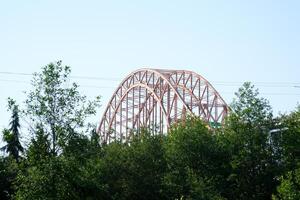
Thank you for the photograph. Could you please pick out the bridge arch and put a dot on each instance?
(156, 98)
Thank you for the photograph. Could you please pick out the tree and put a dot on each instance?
(196, 162)
(131, 170)
(146, 166)
(289, 189)
(247, 130)
(57, 113)
(45, 181)
(69, 175)
(39, 151)
(8, 172)
(11, 136)
(289, 141)
(250, 108)
(57, 106)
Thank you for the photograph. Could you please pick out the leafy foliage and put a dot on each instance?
(8, 172)
(252, 156)
(289, 137)
(11, 136)
(289, 187)
(56, 105)
(195, 162)
(249, 108)
(247, 129)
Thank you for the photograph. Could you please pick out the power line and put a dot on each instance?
(111, 87)
(16, 81)
(223, 83)
(271, 94)
(259, 82)
(217, 83)
(267, 86)
(16, 73)
(95, 78)
(87, 86)
(73, 77)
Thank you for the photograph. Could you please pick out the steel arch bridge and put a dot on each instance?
(156, 98)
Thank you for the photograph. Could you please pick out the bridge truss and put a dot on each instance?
(157, 98)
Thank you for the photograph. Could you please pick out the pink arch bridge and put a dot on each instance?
(156, 98)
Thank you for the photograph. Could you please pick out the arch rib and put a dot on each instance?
(153, 96)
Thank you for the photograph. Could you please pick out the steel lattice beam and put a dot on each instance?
(156, 98)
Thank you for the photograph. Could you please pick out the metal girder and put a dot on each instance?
(156, 98)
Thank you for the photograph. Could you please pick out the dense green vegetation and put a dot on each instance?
(253, 156)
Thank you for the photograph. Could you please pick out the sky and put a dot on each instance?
(227, 42)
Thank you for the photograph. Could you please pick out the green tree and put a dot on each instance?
(39, 150)
(289, 189)
(247, 129)
(69, 175)
(249, 108)
(58, 152)
(5, 183)
(11, 136)
(109, 171)
(80, 158)
(45, 181)
(8, 172)
(196, 162)
(9, 165)
(290, 139)
(131, 170)
(56, 104)
(146, 166)
(288, 135)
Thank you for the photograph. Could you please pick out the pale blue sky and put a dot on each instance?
(228, 42)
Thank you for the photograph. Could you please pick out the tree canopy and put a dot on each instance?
(253, 155)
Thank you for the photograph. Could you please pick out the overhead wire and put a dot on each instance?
(118, 79)
(217, 83)
(72, 77)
